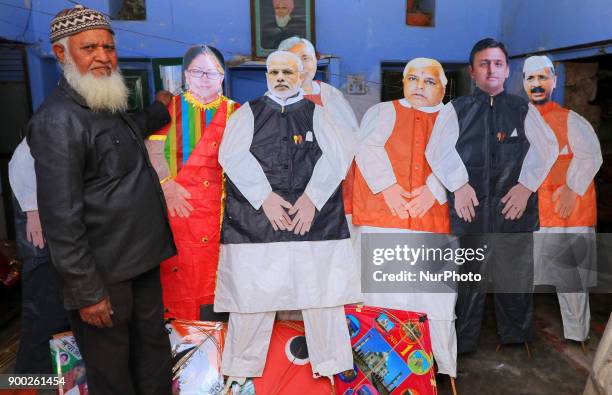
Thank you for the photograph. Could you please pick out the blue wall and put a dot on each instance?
(13, 21)
(536, 25)
(543, 25)
(362, 33)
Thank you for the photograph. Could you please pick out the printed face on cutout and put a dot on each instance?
(490, 70)
(539, 85)
(204, 77)
(422, 86)
(309, 62)
(284, 79)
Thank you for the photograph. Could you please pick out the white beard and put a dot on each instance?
(283, 21)
(284, 94)
(108, 93)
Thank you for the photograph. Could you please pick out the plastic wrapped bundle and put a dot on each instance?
(196, 350)
(392, 353)
(68, 365)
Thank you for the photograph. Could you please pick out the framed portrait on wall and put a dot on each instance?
(272, 21)
(420, 13)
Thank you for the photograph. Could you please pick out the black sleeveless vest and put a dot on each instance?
(285, 146)
(492, 145)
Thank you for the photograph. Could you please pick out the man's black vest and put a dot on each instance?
(492, 145)
(285, 146)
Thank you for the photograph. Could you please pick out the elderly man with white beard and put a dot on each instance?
(284, 242)
(103, 211)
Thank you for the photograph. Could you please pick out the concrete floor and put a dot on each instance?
(557, 367)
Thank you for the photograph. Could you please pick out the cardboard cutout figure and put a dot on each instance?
(338, 110)
(567, 202)
(285, 241)
(492, 150)
(336, 107)
(394, 191)
(185, 156)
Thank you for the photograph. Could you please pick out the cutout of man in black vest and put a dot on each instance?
(284, 240)
(492, 150)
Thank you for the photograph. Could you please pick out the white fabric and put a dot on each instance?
(297, 275)
(316, 88)
(542, 153)
(328, 340)
(259, 277)
(543, 269)
(439, 307)
(441, 154)
(444, 346)
(22, 177)
(534, 63)
(285, 102)
(371, 157)
(337, 145)
(576, 315)
(246, 344)
(237, 160)
(248, 340)
(587, 157)
(450, 169)
(600, 379)
(339, 113)
(374, 164)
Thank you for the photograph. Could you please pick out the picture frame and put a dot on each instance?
(137, 82)
(420, 13)
(275, 20)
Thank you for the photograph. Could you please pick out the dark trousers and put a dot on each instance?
(133, 356)
(42, 310)
(508, 267)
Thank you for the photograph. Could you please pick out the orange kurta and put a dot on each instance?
(585, 212)
(406, 150)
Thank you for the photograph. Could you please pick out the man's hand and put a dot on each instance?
(304, 210)
(34, 229)
(163, 97)
(515, 202)
(274, 208)
(422, 200)
(465, 201)
(176, 199)
(395, 198)
(99, 314)
(565, 200)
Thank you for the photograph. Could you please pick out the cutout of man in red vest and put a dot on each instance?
(395, 191)
(566, 200)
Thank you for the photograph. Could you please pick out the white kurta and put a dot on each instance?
(260, 277)
(341, 114)
(447, 165)
(22, 177)
(585, 163)
(375, 166)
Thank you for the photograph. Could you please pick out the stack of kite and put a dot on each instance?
(392, 353)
